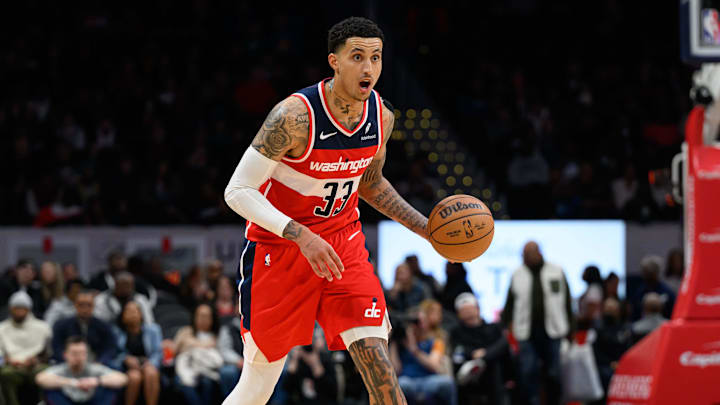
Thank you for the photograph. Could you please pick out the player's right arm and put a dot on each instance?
(285, 132)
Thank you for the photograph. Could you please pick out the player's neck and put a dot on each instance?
(343, 107)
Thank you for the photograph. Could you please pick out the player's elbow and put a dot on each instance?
(234, 196)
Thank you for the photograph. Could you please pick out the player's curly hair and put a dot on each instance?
(352, 27)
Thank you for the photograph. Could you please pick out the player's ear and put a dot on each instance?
(333, 61)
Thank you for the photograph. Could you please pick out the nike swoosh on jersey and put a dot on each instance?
(326, 136)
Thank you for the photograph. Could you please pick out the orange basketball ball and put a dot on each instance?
(461, 228)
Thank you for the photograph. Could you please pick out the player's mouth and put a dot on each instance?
(365, 85)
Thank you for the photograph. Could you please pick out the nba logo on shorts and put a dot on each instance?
(710, 27)
(372, 312)
(267, 259)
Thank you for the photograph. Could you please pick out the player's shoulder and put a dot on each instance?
(291, 106)
(388, 114)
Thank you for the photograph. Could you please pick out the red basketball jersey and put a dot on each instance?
(319, 189)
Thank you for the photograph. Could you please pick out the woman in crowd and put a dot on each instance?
(52, 284)
(420, 359)
(197, 358)
(139, 354)
(194, 288)
(674, 269)
(64, 307)
(225, 301)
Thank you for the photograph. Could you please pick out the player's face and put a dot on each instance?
(358, 65)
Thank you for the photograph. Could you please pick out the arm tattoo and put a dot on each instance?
(384, 198)
(371, 358)
(285, 127)
(381, 195)
(292, 231)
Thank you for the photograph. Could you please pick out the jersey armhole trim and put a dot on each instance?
(381, 131)
(311, 132)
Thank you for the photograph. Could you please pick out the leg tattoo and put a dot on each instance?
(371, 357)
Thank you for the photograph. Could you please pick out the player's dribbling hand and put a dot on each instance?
(322, 257)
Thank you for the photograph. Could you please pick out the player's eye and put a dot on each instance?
(376, 58)
(357, 57)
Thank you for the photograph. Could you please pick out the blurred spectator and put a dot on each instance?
(310, 374)
(538, 312)
(478, 350)
(674, 269)
(139, 354)
(455, 284)
(226, 303)
(63, 307)
(70, 272)
(194, 288)
(613, 339)
(590, 302)
(24, 344)
(610, 286)
(650, 268)
(528, 177)
(624, 191)
(427, 279)
(97, 333)
(652, 316)
(197, 358)
(419, 357)
(109, 304)
(407, 292)
(118, 263)
(213, 274)
(231, 347)
(77, 380)
(23, 279)
(52, 283)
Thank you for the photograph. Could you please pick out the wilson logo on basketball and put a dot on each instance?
(457, 207)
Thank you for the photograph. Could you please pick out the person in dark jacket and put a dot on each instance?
(231, 348)
(478, 351)
(97, 333)
(22, 278)
(455, 284)
(310, 375)
(614, 337)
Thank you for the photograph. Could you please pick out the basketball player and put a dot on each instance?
(298, 185)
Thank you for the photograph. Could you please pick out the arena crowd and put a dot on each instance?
(133, 333)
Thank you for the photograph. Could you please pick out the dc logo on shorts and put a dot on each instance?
(267, 259)
(372, 312)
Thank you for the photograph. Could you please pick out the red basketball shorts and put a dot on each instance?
(281, 297)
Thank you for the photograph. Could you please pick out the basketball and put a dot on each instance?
(461, 228)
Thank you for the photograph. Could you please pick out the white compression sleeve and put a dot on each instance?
(242, 194)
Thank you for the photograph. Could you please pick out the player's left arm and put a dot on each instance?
(377, 191)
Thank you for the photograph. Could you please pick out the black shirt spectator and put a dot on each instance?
(22, 277)
(455, 285)
(310, 375)
(473, 339)
(613, 339)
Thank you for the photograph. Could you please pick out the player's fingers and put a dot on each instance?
(326, 274)
(333, 267)
(337, 260)
(316, 270)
